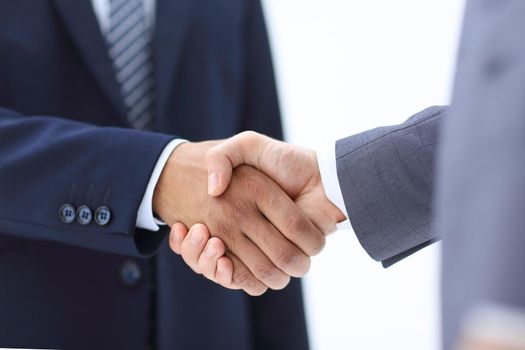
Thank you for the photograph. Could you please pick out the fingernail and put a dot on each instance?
(210, 252)
(213, 182)
(196, 237)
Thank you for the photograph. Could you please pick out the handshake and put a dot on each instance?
(256, 207)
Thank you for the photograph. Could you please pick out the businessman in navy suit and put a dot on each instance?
(97, 98)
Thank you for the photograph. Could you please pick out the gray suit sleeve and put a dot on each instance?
(386, 177)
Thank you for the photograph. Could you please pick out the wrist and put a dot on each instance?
(145, 216)
(184, 177)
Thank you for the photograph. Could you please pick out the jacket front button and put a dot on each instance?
(130, 273)
(67, 213)
(103, 216)
(84, 215)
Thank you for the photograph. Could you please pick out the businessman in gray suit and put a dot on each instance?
(400, 196)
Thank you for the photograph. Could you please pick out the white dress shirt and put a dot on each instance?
(328, 169)
(145, 217)
(101, 8)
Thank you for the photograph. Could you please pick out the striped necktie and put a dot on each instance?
(130, 40)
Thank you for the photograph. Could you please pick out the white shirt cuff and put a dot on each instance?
(328, 168)
(145, 218)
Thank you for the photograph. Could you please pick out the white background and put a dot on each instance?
(345, 66)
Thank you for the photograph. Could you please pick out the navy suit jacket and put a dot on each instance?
(64, 139)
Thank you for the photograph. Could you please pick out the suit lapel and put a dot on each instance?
(80, 21)
(172, 21)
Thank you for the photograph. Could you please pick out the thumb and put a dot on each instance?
(244, 148)
(220, 169)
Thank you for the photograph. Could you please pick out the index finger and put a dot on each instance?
(289, 219)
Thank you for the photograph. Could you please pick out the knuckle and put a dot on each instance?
(266, 273)
(222, 229)
(297, 224)
(283, 156)
(217, 244)
(288, 259)
(247, 135)
(212, 154)
(202, 230)
(237, 209)
(244, 279)
(294, 264)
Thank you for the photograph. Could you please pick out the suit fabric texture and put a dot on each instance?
(64, 138)
(387, 180)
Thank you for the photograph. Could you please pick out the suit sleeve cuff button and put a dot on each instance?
(67, 213)
(103, 216)
(84, 215)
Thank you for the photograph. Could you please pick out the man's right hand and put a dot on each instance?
(266, 236)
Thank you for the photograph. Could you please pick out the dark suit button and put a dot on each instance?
(103, 216)
(130, 273)
(84, 215)
(67, 213)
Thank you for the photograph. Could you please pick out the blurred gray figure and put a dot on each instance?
(481, 177)
(386, 174)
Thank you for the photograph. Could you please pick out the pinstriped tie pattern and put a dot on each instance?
(129, 40)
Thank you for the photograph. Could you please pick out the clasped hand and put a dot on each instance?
(256, 207)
